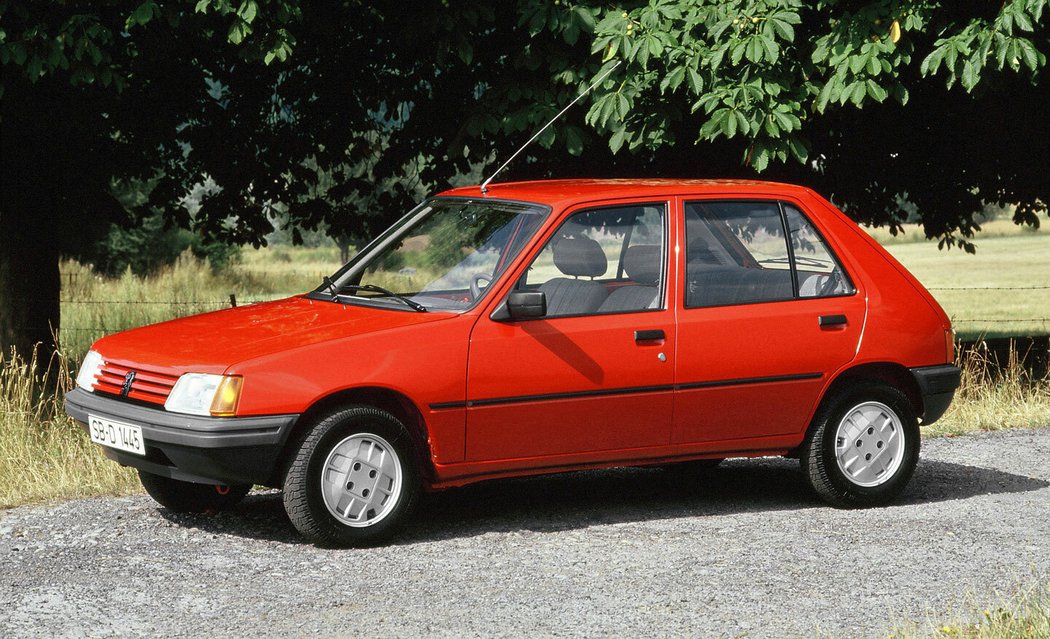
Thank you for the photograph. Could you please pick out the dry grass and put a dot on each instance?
(1026, 616)
(43, 455)
(993, 398)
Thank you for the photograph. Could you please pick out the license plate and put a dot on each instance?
(126, 437)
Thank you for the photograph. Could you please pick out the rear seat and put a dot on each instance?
(711, 285)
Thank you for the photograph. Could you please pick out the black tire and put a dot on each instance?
(188, 497)
(376, 456)
(880, 463)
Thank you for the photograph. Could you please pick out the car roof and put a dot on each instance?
(557, 193)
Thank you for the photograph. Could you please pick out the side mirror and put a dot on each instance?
(522, 305)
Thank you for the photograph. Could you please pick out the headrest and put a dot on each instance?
(580, 257)
(642, 263)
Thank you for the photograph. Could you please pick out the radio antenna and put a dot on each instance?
(485, 184)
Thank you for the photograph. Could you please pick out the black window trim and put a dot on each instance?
(795, 284)
(663, 288)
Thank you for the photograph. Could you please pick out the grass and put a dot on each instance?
(992, 398)
(990, 293)
(43, 455)
(1025, 616)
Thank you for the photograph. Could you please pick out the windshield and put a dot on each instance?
(442, 256)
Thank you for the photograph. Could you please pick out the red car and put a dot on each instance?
(540, 327)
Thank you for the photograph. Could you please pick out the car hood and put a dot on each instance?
(212, 342)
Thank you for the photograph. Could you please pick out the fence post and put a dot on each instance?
(233, 300)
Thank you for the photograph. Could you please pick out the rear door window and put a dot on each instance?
(737, 252)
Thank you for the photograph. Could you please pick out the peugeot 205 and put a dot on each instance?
(540, 327)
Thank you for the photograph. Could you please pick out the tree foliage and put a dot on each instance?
(790, 82)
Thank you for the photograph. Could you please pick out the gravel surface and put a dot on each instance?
(743, 551)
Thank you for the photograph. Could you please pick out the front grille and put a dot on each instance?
(148, 386)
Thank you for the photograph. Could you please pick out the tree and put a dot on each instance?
(939, 103)
(315, 112)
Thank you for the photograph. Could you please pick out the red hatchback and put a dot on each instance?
(540, 327)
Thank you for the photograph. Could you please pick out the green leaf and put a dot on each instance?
(742, 123)
(237, 32)
(970, 75)
(1022, 21)
(623, 105)
(616, 141)
(755, 50)
(729, 125)
(738, 52)
(857, 63)
(573, 141)
(1029, 54)
(202, 6)
(673, 79)
(771, 48)
(248, 10)
(142, 14)
(874, 65)
(785, 30)
(875, 91)
(858, 94)
(760, 158)
(585, 18)
(931, 63)
(696, 81)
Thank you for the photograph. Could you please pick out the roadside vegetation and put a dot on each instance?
(1024, 616)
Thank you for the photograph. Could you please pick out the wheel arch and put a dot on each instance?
(386, 399)
(889, 373)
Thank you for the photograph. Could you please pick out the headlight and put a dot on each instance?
(202, 394)
(89, 371)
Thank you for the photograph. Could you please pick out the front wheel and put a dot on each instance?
(862, 446)
(354, 479)
(188, 497)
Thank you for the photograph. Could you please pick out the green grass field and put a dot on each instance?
(1002, 290)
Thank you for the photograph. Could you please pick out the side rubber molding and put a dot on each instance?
(208, 450)
(937, 385)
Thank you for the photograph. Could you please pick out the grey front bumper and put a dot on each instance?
(227, 450)
(937, 385)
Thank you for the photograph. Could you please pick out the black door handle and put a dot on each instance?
(649, 336)
(831, 320)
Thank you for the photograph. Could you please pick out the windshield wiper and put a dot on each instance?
(386, 293)
(331, 285)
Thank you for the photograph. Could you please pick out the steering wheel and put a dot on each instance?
(475, 284)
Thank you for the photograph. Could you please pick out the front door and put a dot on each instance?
(596, 373)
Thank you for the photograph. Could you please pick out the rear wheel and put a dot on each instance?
(354, 479)
(188, 497)
(863, 446)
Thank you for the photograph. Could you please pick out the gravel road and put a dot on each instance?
(744, 551)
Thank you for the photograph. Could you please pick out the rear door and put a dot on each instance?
(763, 322)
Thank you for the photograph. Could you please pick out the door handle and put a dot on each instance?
(832, 320)
(649, 336)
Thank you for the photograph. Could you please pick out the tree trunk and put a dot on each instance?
(29, 285)
(31, 175)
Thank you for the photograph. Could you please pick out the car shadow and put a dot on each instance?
(581, 499)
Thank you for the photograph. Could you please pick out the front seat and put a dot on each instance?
(576, 257)
(641, 263)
